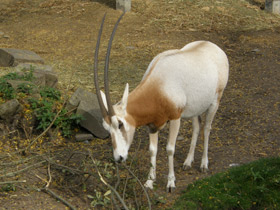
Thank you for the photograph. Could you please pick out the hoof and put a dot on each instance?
(204, 170)
(149, 185)
(170, 189)
(186, 167)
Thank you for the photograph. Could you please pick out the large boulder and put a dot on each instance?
(12, 57)
(87, 106)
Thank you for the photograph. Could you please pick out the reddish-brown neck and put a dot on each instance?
(148, 105)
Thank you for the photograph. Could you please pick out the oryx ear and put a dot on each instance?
(125, 96)
(103, 96)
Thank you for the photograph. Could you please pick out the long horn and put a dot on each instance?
(106, 82)
(100, 101)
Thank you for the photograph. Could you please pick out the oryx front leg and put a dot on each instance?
(153, 150)
(190, 157)
(173, 133)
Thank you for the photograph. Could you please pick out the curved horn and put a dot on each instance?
(106, 82)
(101, 104)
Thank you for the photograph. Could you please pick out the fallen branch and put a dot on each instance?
(134, 156)
(18, 162)
(10, 174)
(12, 182)
(145, 191)
(59, 198)
(108, 185)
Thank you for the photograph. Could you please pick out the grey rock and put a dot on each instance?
(9, 109)
(92, 119)
(44, 76)
(80, 95)
(34, 66)
(87, 105)
(124, 5)
(16, 83)
(12, 57)
(180, 138)
(83, 136)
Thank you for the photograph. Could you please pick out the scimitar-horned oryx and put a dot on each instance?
(181, 83)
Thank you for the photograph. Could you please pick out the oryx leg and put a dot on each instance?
(210, 114)
(153, 151)
(190, 157)
(170, 148)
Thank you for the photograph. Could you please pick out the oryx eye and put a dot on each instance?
(120, 124)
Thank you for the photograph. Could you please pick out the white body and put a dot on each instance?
(178, 83)
(189, 76)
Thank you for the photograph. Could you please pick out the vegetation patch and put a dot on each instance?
(251, 186)
(44, 106)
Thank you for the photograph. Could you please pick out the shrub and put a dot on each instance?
(7, 92)
(45, 110)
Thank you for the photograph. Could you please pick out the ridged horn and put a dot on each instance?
(111, 111)
(99, 98)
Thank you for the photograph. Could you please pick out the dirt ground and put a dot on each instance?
(64, 33)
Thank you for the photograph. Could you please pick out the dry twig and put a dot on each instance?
(108, 185)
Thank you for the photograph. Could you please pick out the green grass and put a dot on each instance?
(251, 186)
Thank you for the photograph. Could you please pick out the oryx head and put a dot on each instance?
(114, 117)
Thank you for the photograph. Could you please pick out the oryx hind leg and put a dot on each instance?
(210, 114)
(195, 133)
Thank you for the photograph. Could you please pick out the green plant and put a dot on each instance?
(66, 121)
(45, 111)
(99, 199)
(7, 92)
(8, 188)
(51, 93)
(26, 75)
(25, 88)
(251, 186)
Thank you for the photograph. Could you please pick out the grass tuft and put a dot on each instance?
(252, 186)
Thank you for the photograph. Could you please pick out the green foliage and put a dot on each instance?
(7, 92)
(46, 109)
(27, 75)
(8, 188)
(51, 93)
(99, 199)
(25, 88)
(252, 186)
(43, 110)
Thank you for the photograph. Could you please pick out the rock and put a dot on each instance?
(9, 109)
(180, 138)
(78, 96)
(93, 119)
(34, 66)
(124, 5)
(83, 136)
(51, 79)
(12, 57)
(16, 83)
(44, 76)
(88, 107)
